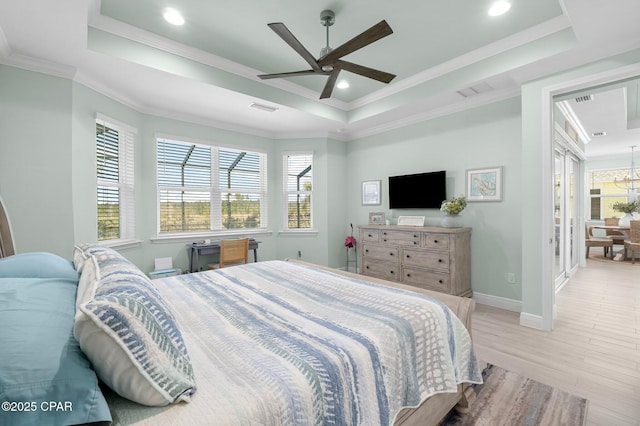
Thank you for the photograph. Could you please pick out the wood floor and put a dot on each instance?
(594, 349)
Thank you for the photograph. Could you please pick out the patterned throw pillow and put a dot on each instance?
(129, 334)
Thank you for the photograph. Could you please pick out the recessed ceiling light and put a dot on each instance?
(499, 7)
(344, 84)
(174, 17)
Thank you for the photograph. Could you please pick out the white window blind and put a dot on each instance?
(115, 180)
(298, 188)
(209, 188)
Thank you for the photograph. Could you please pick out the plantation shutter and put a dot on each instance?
(115, 179)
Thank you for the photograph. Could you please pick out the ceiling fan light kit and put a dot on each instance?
(330, 63)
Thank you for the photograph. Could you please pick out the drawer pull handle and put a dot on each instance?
(440, 281)
(385, 240)
(390, 254)
(370, 235)
(366, 250)
(408, 256)
(367, 267)
(408, 275)
(435, 241)
(415, 242)
(391, 272)
(439, 260)
(415, 236)
(384, 233)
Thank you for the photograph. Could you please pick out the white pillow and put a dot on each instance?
(129, 334)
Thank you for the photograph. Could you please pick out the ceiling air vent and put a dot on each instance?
(585, 98)
(598, 134)
(262, 107)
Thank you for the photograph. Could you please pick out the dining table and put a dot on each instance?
(624, 230)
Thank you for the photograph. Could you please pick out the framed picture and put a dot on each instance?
(371, 193)
(376, 218)
(484, 184)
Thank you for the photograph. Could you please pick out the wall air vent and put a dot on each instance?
(585, 98)
(262, 107)
(598, 134)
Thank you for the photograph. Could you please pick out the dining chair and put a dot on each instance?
(591, 241)
(633, 243)
(232, 252)
(616, 236)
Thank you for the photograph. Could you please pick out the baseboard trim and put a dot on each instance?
(530, 320)
(497, 302)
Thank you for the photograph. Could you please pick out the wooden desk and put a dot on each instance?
(197, 249)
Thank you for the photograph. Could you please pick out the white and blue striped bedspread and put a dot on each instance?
(278, 343)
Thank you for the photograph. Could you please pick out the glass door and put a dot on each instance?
(566, 214)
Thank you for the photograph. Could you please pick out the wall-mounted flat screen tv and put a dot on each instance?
(418, 191)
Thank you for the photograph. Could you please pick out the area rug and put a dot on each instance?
(509, 399)
(600, 258)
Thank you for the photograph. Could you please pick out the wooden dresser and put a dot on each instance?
(426, 257)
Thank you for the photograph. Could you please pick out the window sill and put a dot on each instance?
(298, 232)
(190, 238)
(121, 244)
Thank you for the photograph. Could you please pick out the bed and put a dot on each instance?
(269, 343)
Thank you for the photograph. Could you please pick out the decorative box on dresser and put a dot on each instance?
(427, 257)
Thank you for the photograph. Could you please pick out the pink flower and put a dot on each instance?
(350, 241)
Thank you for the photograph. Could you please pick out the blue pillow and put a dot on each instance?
(37, 265)
(41, 361)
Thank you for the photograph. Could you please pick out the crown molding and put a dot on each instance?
(129, 32)
(39, 65)
(103, 89)
(468, 103)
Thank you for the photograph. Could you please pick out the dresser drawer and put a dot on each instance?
(370, 235)
(386, 271)
(405, 238)
(426, 259)
(435, 241)
(425, 279)
(384, 253)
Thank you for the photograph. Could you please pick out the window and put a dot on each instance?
(604, 192)
(298, 188)
(114, 155)
(204, 188)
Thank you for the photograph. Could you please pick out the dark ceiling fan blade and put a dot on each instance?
(284, 33)
(378, 31)
(291, 74)
(331, 82)
(382, 76)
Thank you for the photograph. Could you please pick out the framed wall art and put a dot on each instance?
(376, 218)
(371, 193)
(484, 184)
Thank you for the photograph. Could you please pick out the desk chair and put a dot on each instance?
(633, 243)
(232, 252)
(616, 236)
(591, 241)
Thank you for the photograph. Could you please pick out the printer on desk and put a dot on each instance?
(164, 268)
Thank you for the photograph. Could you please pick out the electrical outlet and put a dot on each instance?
(511, 278)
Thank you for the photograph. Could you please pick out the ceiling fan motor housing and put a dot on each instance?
(327, 18)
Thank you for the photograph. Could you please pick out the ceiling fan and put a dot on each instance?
(329, 63)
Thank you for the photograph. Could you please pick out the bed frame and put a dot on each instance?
(6, 239)
(434, 409)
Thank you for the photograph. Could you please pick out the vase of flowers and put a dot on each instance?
(452, 209)
(629, 210)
